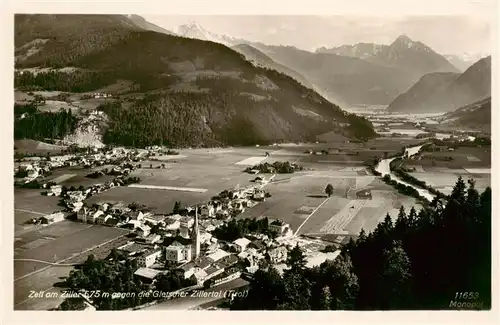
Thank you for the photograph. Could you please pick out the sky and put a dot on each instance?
(445, 34)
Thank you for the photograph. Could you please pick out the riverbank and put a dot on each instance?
(383, 169)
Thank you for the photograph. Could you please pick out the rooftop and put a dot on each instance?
(218, 255)
(242, 242)
(147, 272)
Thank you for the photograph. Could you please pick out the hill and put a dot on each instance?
(474, 116)
(144, 24)
(446, 92)
(368, 74)
(184, 91)
(254, 55)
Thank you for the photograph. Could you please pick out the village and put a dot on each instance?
(196, 241)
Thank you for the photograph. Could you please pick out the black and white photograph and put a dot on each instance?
(251, 162)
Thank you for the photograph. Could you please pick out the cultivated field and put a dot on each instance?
(58, 242)
(28, 204)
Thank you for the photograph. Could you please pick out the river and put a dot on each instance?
(384, 168)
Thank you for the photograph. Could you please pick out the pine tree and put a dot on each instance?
(296, 260)
(326, 299)
(395, 280)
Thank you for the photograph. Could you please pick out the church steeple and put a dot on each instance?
(196, 234)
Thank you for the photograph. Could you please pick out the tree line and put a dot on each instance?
(42, 125)
(418, 261)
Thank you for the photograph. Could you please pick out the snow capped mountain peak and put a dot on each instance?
(193, 30)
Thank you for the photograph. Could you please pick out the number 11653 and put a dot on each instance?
(467, 295)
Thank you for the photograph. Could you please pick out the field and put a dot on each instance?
(467, 162)
(462, 158)
(300, 201)
(30, 204)
(65, 242)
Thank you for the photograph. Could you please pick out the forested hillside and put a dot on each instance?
(209, 91)
(424, 260)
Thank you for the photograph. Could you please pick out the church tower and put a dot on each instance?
(196, 235)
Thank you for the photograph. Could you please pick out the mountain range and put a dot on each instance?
(444, 92)
(184, 91)
(349, 75)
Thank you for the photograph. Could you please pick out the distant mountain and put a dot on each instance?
(364, 79)
(193, 30)
(143, 23)
(446, 92)
(463, 61)
(182, 91)
(255, 56)
(404, 53)
(474, 116)
(360, 50)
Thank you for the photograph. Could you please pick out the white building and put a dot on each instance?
(178, 253)
(54, 217)
(148, 258)
(241, 244)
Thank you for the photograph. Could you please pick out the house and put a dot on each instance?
(93, 218)
(236, 194)
(199, 276)
(279, 227)
(257, 244)
(208, 210)
(148, 258)
(259, 195)
(55, 190)
(135, 215)
(184, 232)
(103, 206)
(143, 230)
(278, 254)
(101, 219)
(187, 269)
(172, 224)
(153, 238)
(82, 214)
(51, 218)
(227, 261)
(155, 218)
(186, 222)
(111, 222)
(241, 244)
(178, 252)
(204, 237)
(217, 255)
(213, 271)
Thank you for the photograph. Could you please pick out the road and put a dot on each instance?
(187, 303)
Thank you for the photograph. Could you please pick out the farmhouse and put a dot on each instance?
(51, 218)
(279, 227)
